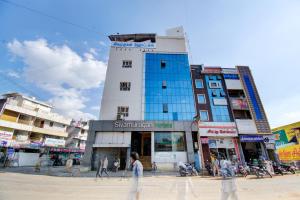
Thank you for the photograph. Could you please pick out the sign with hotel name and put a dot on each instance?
(141, 124)
(137, 124)
(143, 45)
(226, 129)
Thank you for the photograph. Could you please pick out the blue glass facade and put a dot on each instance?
(220, 113)
(254, 101)
(168, 87)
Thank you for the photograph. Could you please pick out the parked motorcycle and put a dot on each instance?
(186, 169)
(243, 170)
(260, 171)
(288, 168)
(277, 168)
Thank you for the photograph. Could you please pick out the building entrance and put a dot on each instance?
(141, 143)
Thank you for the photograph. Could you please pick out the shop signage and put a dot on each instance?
(51, 142)
(221, 143)
(229, 71)
(163, 125)
(251, 138)
(66, 150)
(137, 124)
(6, 135)
(269, 139)
(144, 45)
(212, 70)
(225, 129)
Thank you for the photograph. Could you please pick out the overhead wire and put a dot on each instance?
(52, 17)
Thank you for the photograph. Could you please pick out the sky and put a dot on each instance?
(57, 50)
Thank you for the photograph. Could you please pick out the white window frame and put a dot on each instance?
(201, 80)
(128, 64)
(218, 83)
(207, 115)
(124, 112)
(128, 85)
(204, 98)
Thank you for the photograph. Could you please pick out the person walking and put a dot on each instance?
(99, 167)
(137, 174)
(216, 169)
(104, 167)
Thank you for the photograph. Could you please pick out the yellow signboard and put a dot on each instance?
(289, 153)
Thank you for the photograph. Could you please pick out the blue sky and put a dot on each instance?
(261, 34)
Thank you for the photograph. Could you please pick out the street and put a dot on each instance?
(32, 187)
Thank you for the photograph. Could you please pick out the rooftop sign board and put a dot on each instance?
(144, 45)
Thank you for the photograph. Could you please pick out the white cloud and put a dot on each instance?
(102, 44)
(93, 51)
(13, 74)
(60, 71)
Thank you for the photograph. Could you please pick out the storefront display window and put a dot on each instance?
(169, 141)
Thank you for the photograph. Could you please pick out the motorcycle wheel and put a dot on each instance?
(292, 171)
(257, 174)
(281, 173)
(270, 174)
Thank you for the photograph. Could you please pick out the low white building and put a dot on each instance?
(27, 126)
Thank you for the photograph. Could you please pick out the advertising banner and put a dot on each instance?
(287, 139)
(6, 135)
(240, 104)
(225, 129)
(289, 153)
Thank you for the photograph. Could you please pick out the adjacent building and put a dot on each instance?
(147, 104)
(232, 123)
(29, 127)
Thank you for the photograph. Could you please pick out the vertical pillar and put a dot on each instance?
(88, 152)
(189, 146)
(152, 148)
(128, 157)
(264, 150)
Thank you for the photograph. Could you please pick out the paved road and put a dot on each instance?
(17, 186)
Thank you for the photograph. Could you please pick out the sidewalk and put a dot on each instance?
(61, 172)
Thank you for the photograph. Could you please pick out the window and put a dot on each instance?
(165, 108)
(222, 94)
(123, 111)
(169, 141)
(164, 84)
(199, 83)
(163, 64)
(215, 84)
(127, 64)
(214, 93)
(219, 77)
(51, 124)
(125, 86)
(201, 98)
(203, 115)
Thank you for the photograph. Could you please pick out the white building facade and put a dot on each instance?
(147, 104)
